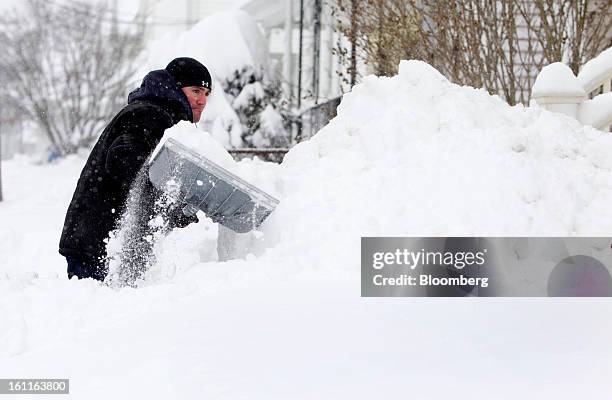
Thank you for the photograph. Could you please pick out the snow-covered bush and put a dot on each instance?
(258, 103)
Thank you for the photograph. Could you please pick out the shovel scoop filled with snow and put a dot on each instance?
(204, 185)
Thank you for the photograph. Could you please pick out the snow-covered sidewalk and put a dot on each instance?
(32, 215)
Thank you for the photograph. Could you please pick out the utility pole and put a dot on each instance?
(316, 53)
(287, 60)
(300, 55)
(298, 136)
(353, 39)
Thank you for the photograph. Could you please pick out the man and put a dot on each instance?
(166, 96)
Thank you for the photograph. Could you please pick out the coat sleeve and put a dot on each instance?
(126, 157)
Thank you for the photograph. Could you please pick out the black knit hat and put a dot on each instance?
(189, 72)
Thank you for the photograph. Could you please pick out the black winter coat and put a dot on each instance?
(122, 149)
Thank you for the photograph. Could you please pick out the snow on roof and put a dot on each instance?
(557, 79)
(596, 70)
(224, 42)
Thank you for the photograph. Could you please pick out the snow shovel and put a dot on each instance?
(203, 185)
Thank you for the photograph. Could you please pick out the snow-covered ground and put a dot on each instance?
(32, 214)
(411, 155)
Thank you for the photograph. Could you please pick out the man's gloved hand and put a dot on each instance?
(186, 220)
(177, 219)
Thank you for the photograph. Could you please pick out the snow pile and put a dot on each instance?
(415, 155)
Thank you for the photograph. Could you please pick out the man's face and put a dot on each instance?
(196, 95)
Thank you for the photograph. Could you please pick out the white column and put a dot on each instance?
(328, 48)
(328, 63)
(557, 89)
(607, 85)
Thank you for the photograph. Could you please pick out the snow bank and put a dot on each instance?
(415, 155)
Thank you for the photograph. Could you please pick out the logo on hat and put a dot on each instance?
(189, 72)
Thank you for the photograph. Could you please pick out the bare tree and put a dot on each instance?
(379, 32)
(66, 68)
(572, 31)
(500, 45)
(480, 43)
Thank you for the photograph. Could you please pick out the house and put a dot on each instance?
(308, 67)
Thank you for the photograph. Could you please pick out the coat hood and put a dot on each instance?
(160, 88)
